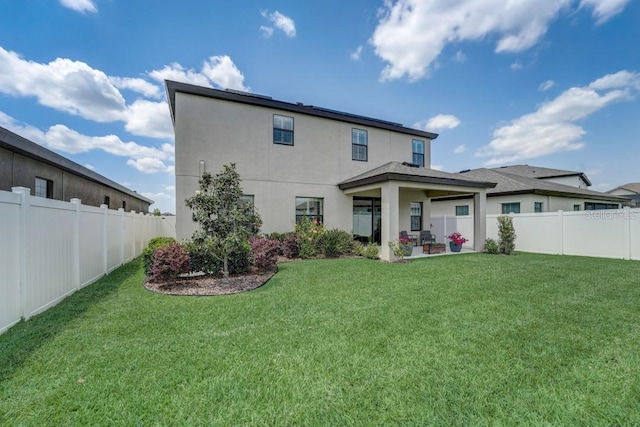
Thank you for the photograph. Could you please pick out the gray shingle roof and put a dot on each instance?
(509, 183)
(539, 172)
(632, 186)
(398, 171)
(15, 142)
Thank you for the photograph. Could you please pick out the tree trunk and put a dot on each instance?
(225, 266)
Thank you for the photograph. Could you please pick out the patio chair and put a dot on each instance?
(413, 237)
(427, 237)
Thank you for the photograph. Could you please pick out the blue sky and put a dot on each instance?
(551, 83)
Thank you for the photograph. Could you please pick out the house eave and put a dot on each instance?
(172, 87)
(390, 176)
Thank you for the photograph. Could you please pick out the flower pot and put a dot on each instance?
(454, 247)
(407, 250)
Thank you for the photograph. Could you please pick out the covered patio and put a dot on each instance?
(394, 187)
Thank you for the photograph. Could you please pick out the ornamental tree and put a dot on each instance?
(222, 214)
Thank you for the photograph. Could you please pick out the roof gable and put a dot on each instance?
(538, 172)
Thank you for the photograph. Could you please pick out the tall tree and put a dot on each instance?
(222, 214)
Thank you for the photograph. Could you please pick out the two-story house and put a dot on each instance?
(367, 176)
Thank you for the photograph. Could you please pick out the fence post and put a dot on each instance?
(122, 225)
(133, 232)
(22, 248)
(626, 218)
(76, 244)
(561, 229)
(444, 229)
(105, 237)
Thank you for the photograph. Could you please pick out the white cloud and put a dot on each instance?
(516, 66)
(76, 88)
(603, 10)
(355, 55)
(460, 149)
(437, 167)
(81, 6)
(411, 34)
(141, 86)
(441, 121)
(147, 118)
(459, 57)
(65, 85)
(148, 165)
(218, 71)
(545, 86)
(552, 127)
(281, 22)
(90, 166)
(60, 137)
(266, 31)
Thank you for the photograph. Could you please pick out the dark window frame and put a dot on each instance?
(538, 207)
(356, 145)
(43, 184)
(510, 205)
(415, 221)
(417, 158)
(318, 217)
(593, 206)
(462, 208)
(283, 131)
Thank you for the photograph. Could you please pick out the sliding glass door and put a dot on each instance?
(367, 219)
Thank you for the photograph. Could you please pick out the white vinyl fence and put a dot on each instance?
(602, 233)
(49, 249)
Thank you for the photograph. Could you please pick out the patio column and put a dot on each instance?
(390, 194)
(479, 220)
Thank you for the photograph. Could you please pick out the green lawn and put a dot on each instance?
(458, 340)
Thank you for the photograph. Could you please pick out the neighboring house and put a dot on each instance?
(559, 176)
(519, 194)
(26, 164)
(630, 191)
(355, 173)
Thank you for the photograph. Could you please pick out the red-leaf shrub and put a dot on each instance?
(264, 253)
(290, 246)
(168, 262)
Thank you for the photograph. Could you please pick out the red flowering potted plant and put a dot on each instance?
(456, 241)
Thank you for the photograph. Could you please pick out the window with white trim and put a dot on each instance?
(417, 148)
(311, 208)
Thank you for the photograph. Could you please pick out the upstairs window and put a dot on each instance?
(537, 207)
(508, 208)
(462, 210)
(359, 143)
(106, 200)
(418, 152)
(311, 208)
(44, 188)
(282, 130)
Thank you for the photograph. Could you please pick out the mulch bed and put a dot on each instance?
(204, 285)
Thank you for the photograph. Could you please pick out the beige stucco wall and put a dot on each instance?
(221, 132)
(527, 201)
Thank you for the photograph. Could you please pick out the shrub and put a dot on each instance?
(309, 235)
(369, 250)
(335, 243)
(147, 253)
(240, 259)
(491, 247)
(203, 256)
(507, 234)
(290, 246)
(168, 262)
(264, 253)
